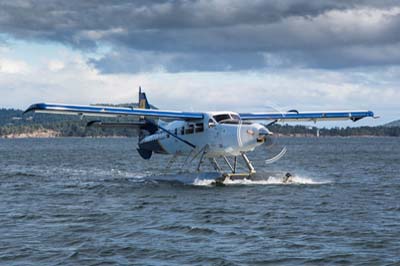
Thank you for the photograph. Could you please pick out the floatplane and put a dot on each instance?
(219, 135)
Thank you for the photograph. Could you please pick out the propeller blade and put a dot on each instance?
(277, 157)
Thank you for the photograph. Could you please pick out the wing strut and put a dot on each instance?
(172, 134)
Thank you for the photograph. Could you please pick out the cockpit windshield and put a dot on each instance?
(222, 117)
(235, 117)
(227, 118)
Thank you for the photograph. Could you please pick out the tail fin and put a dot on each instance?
(146, 129)
(143, 102)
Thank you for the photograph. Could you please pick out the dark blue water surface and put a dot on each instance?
(95, 202)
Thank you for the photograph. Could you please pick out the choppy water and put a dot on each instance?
(95, 202)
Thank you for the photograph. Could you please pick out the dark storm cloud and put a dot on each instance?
(209, 35)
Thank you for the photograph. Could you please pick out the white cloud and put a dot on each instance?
(4, 49)
(55, 65)
(10, 66)
(96, 35)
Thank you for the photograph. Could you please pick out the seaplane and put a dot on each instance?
(221, 135)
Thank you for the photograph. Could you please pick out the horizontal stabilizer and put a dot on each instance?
(98, 123)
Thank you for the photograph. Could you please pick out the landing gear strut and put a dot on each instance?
(234, 174)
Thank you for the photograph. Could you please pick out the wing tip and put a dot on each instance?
(372, 114)
(34, 107)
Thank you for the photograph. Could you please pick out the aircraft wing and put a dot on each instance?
(107, 111)
(295, 116)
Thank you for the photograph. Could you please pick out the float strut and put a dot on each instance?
(171, 162)
(248, 163)
(229, 164)
(215, 164)
(201, 160)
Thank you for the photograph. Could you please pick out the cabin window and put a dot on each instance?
(190, 129)
(211, 123)
(199, 127)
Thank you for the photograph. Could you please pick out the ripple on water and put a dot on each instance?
(64, 209)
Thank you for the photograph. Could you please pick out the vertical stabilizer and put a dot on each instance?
(143, 102)
(146, 129)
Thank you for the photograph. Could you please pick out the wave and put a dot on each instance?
(91, 174)
(271, 180)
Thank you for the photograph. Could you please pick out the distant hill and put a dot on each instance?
(395, 123)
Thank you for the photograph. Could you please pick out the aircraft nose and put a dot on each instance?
(263, 133)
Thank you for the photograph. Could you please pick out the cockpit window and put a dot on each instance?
(232, 122)
(227, 118)
(235, 117)
(222, 117)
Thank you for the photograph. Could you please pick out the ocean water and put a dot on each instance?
(95, 202)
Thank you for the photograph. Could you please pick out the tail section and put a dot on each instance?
(143, 102)
(146, 129)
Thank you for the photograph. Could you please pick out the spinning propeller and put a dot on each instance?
(272, 142)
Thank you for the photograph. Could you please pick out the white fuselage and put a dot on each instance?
(221, 133)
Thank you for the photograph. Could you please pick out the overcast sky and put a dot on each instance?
(204, 55)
